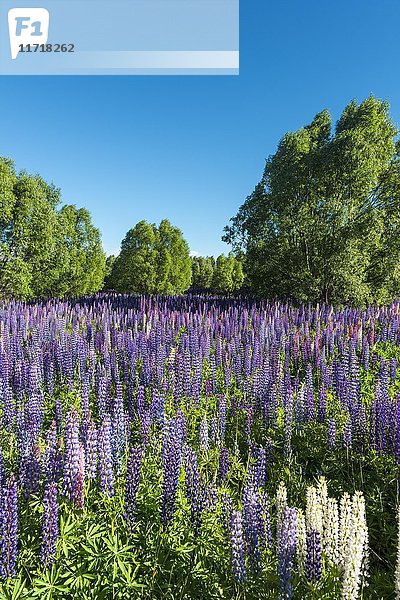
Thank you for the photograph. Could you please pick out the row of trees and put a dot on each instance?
(152, 260)
(323, 224)
(223, 275)
(48, 250)
(157, 260)
(44, 250)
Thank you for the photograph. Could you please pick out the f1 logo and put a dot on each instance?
(27, 26)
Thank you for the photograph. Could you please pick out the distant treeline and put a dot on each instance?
(157, 260)
(223, 275)
(50, 250)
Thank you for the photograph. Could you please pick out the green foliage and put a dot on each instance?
(83, 257)
(323, 223)
(202, 272)
(43, 251)
(228, 275)
(110, 260)
(222, 276)
(152, 260)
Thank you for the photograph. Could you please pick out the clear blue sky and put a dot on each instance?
(192, 148)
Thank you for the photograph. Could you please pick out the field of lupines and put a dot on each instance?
(191, 447)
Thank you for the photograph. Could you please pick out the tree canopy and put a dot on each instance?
(152, 260)
(323, 223)
(202, 272)
(228, 275)
(44, 251)
(223, 275)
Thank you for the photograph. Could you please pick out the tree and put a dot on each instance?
(110, 260)
(152, 260)
(237, 273)
(134, 268)
(228, 275)
(79, 245)
(323, 223)
(174, 271)
(27, 224)
(202, 272)
(39, 246)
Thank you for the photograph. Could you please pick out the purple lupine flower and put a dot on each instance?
(286, 551)
(102, 396)
(310, 394)
(223, 465)
(140, 400)
(49, 524)
(397, 430)
(132, 483)
(91, 451)
(118, 426)
(226, 512)
(78, 492)
(58, 414)
(208, 387)
(366, 355)
(214, 430)
(30, 472)
(9, 528)
(210, 496)
(171, 454)
(157, 407)
(237, 547)
(314, 556)
(331, 433)
(259, 470)
(105, 463)
(6, 399)
(252, 525)
(52, 458)
(347, 435)
(393, 370)
(2, 471)
(288, 420)
(71, 458)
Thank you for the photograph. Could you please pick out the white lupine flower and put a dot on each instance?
(357, 542)
(301, 546)
(397, 572)
(322, 489)
(203, 435)
(314, 520)
(330, 542)
(281, 503)
(344, 528)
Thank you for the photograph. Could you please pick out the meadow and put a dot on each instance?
(198, 447)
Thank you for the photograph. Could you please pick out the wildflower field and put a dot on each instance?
(198, 447)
